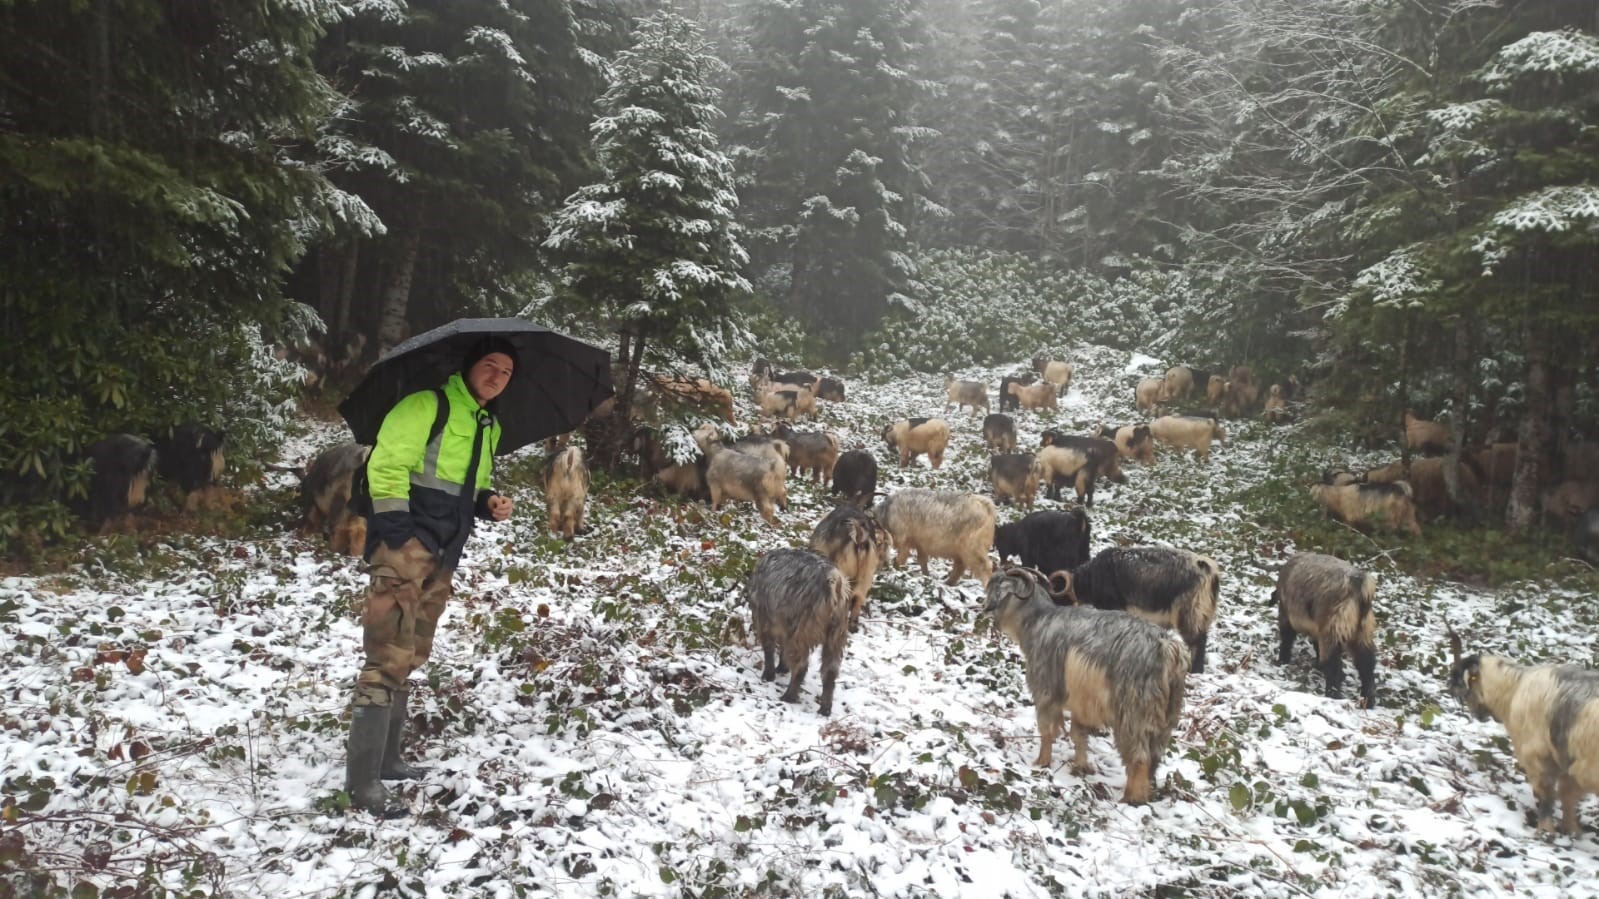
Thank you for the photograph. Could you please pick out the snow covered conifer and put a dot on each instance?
(653, 247)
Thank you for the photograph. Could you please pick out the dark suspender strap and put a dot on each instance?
(441, 416)
(469, 483)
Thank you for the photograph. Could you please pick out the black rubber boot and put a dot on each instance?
(369, 728)
(394, 767)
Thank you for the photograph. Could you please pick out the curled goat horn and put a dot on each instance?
(1064, 595)
(1454, 644)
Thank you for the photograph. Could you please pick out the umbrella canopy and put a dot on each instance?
(558, 379)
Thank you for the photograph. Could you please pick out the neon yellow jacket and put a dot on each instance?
(416, 484)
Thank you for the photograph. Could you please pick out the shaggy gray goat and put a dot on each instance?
(799, 601)
(1329, 601)
(1108, 669)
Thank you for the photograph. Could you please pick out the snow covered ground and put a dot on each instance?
(597, 725)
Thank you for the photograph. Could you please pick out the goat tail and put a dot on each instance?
(1366, 591)
(1175, 657)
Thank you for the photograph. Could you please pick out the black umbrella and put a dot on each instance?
(558, 379)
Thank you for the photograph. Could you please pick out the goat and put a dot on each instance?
(1181, 380)
(1148, 395)
(1241, 393)
(192, 457)
(815, 451)
(1358, 504)
(1015, 477)
(686, 479)
(1106, 455)
(1329, 601)
(1170, 587)
(699, 394)
(1428, 489)
(999, 433)
(1276, 411)
(855, 476)
(944, 524)
(1048, 541)
(1034, 396)
(1132, 441)
(855, 542)
(965, 393)
(759, 477)
(325, 498)
(1054, 372)
(123, 466)
(1216, 391)
(1188, 432)
(1425, 436)
(914, 436)
(1108, 669)
(566, 489)
(798, 601)
(1552, 715)
(1073, 465)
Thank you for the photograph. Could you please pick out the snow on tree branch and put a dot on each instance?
(494, 39)
(1566, 52)
(1400, 281)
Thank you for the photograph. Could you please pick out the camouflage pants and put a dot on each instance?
(403, 606)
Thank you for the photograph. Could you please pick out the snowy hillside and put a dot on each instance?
(596, 723)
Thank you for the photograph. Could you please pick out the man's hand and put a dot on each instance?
(500, 507)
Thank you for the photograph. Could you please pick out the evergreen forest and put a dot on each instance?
(1393, 202)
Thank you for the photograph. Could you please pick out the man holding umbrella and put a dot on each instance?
(429, 478)
(429, 475)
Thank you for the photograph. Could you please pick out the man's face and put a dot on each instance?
(489, 375)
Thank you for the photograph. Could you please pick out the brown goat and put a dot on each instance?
(1188, 432)
(1428, 490)
(1034, 396)
(1425, 436)
(855, 542)
(1358, 504)
(914, 436)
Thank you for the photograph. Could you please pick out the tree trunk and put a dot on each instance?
(1521, 512)
(341, 304)
(397, 292)
(1404, 389)
(1462, 396)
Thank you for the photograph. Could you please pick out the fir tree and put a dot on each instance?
(653, 248)
(830, 143)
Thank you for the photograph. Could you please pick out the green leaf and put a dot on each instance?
(1239, 796)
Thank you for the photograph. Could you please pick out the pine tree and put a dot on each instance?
(464, 129)
(653, 248)
(833, 180)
